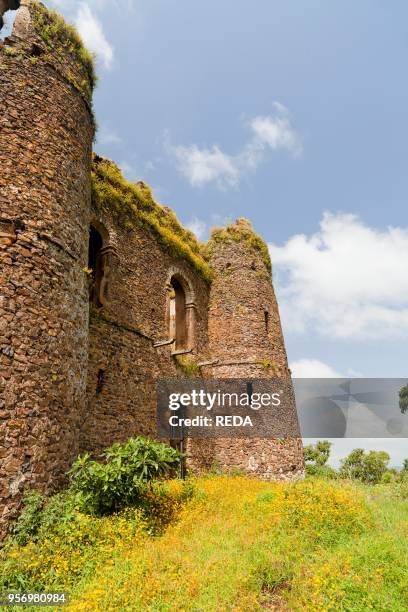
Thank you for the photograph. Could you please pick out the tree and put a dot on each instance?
(367, 467)
(318, 453)
(403, 399)
(405, 465)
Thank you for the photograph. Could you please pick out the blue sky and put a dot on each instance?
(293, 114)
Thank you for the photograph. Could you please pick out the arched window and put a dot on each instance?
(99, 268)
(178, 315)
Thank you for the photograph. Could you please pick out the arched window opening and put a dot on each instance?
(178, 315)
(96, 267)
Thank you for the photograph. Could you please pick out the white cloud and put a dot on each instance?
(313, 368)
(107, 136)
(91, 31)
(346, 281)
(198, 227)
(277, 133)
(201, 166)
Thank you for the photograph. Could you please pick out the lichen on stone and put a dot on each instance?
(240, 231)
(133, 205)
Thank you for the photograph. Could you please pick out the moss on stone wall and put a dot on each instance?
(62, 37)
(133, 204)
(188, 365)
(240, 231)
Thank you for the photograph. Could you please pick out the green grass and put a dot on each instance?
(61, 36)
(238, 544)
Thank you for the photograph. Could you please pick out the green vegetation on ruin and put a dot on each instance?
(62, 37)
(133, 204)
(188, 365)
(10, 51)
(240, 231)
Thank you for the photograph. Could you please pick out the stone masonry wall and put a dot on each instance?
(45, 154)
(77, 376)
(245, 341)
(123, 361)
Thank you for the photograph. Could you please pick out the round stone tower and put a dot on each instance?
(46, 133)
(246, 341)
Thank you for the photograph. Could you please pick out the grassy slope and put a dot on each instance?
(239, 544)
(247, 545)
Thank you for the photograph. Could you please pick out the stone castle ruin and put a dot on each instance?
(102, 291)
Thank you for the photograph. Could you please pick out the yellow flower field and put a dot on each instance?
(238, 544)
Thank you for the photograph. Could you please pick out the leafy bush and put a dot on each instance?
(319, 453)
(321, 471)
(368, 467)
(29, 521)
(104, 488)
(43, 515)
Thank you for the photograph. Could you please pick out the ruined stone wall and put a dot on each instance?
(124, 362)
(77, 376)
(45, 153)
(245, 341)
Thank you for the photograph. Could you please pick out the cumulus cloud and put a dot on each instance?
(277, 131)
(205, 165)
(93, 35)
(347, 280)
(202, 166)
(313, 368)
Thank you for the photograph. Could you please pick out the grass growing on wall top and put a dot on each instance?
(241, 231)
(133, 205)
(61, 36)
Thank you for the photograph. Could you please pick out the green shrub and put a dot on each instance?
(321, 471)
(387, 477)
(368, 467)
(319, 453)
(43, 515)
(29, 521)
(104, 488)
